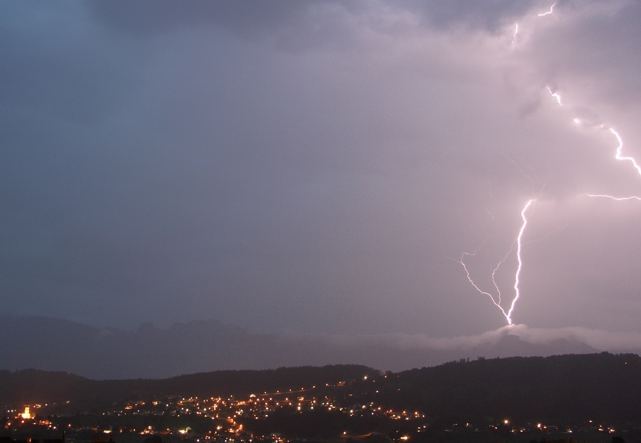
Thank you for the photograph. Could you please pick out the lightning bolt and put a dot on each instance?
(515, 35)
(619, 156)
(619, 152)
(555, 95)
(519, 248)
(471, 281)
(496, 299)
(496, 269)
(577, 121)
(516, 30)
(550, 11)
(613, 197)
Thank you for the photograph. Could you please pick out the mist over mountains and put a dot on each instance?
(149, 351)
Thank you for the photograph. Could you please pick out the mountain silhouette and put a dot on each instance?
(560, 389)
(152, 352)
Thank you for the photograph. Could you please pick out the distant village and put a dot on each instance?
(296, 414)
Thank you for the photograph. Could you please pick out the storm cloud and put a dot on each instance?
(317, 167)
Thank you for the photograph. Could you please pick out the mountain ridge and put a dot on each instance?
(599, 386)
(152, 352)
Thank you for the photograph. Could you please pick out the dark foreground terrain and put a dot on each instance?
(594, 397)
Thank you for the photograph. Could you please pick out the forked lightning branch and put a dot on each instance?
(494, 294)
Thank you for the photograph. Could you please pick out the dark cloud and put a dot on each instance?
(59, 66)
(602, 64)
(244, 18)
(321, 175)
(487, 15)
(261, 18)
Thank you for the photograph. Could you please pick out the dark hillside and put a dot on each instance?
(572, 387)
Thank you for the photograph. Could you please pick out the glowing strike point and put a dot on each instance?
(550, 11)
(555, 95)
(577, 121)
(615, 198)
(496, 300)
(517, 275)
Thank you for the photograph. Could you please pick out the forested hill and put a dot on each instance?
(575, 387)
(44, 386)
(566, 387)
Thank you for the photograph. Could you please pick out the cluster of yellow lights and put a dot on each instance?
(26, 414)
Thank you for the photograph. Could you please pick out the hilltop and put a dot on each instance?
(566, 387)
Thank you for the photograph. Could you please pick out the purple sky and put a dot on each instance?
(318, 166)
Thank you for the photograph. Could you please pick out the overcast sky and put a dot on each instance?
(318, 166)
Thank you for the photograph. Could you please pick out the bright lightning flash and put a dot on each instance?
(515, 35)
(550, 11)
(496, 299)
(615, 198)
(555, 95)
(619, 151)
(519, 246)
(471, 281)
(618, 155)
